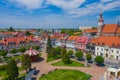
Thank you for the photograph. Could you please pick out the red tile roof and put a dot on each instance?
(90, 31)
(14, 39)
(110, 28)
(72, 38)
(93, 40)
(82, 39)
(107, 40)
(118, 31)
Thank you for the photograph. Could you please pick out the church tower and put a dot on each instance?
(100, 25)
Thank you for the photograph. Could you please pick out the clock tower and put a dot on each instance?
(100, 25)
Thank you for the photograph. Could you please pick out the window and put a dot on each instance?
(112, 51)
(101, 49)
(117, 52)
(97, 48)
(106, 49)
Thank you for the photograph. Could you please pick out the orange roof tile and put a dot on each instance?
(90, 31)
(118, 31)
(93, 40)
(110, 28)
(7, 32)
(72, 38)
(15, 39)
(108, 40)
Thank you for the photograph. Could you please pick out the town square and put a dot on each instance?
(59, 40)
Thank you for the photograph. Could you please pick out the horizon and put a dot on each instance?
(49, 14)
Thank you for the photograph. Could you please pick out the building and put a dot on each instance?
(82, 28)
(90, 32)
(108, 47)
(70, 43)
(81, 43)
(17, 42)
(103, 29)
(91, 46)
(61, 40)
(107, 29)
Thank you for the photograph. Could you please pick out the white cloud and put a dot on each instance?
(94, 8)
(107, 0)
(112, 5)
(71, 7)
(29, 4)
(66, 4)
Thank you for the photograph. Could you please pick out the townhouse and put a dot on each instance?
(81, 43)
(17, 42)
(108, 47)
(70, 43)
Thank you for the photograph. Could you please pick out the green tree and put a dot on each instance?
(58, 49)
(63, 52)
(88, 56)
(52, 53)
(66, 59)
(79, 54)
(26, 62)
(70, 52)
(37, 47)
(94, 27)
(3, 53)
(28, 33)
(22, 49)
(63, 31)
(49, 45)
(28, 47)
(12, 69)
(11, 29)
(14, 50)
(99, 59)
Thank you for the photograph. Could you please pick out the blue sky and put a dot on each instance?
(57, 13)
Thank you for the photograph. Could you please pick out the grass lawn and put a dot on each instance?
(73, 63)
(49, 58)
(66, 75)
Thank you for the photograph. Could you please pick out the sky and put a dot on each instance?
(57, 13)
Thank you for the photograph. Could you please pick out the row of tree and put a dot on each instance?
(14, 50)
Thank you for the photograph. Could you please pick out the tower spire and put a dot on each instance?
(101, 18)
(100, 25)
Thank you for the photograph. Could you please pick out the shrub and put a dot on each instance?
(79, 54)
(99, 59)
(88, 56)
(36, 47)
(70, 52)
(22, 49)
(3, 53)
(58, 49)
(66, 59)
(14, 50)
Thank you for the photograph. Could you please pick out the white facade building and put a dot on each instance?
(108, 52)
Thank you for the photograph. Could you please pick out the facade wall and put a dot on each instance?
(70, 44)
(107, 52)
